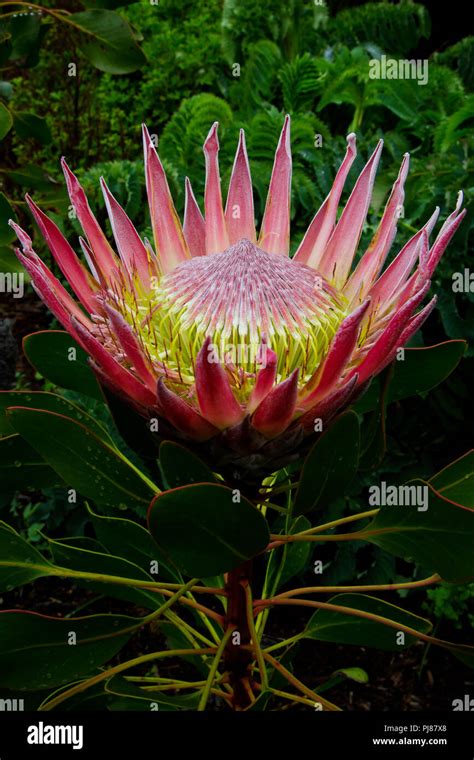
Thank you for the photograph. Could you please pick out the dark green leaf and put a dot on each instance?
(125, 538)
(440, 538)
(25, 31)
(204, 531)
(29, 125)
(109, 43)
(290, 559)
(373, 433)
(85, 462)
(35, 652)
(176, 638)
(134, 698)
(330, 465)
(22, 467)
(420, 370)
(298, 552)
(6, 121)
(134, 430)
(20, 563)
(49, 402)
(7, 234)
(9, 262)
(456, 481)
(5, 45)
(84, 560)
(31, 177)
(181, 467)
(329, 625)
(56, 356)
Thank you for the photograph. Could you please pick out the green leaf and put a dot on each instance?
(177, 638)
(292, 558)
(125, 538)
(7, 234)
(84, 560)
(180, 467)
(204, 531)
(31, 177)
(329, 625)
(29, 125)
(48, 402)
(20, 563)
(134, 698)
(9, 262)
(330, 465)
(421, 370)
(22, 467)
(80, 542)
(57, 356)
(35, 652)
(456, 481)
(25, 30)
(298, 552)
(354, 674)
(109, 42)
(439, 538)
(5, 46)
(6, 121)
(373, 434)
(134, 429)
(83, 460)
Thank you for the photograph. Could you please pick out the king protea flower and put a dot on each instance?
(236, 348)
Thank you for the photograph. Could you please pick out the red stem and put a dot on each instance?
(237, 658)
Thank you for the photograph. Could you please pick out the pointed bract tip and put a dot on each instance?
(34, 208)
(284, 140)
(351, 140)
(147, 141)
(65, 167)
(211, 142)
(378, 148)
(241, 145)
(23, 237)
(188, 189)
(404, 166)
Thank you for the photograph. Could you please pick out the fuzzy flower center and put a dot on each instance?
(247, 301)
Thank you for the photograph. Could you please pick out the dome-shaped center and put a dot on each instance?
(245, 299)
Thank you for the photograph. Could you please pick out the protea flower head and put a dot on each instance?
(234, 346)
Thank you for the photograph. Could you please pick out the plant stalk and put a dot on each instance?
(237, 658)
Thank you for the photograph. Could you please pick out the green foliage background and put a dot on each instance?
(247, 63)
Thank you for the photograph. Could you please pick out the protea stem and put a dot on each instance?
(237, 657)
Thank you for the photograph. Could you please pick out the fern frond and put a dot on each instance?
(395, 28)
(301, 81)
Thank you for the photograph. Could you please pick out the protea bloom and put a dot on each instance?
(236, 348)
